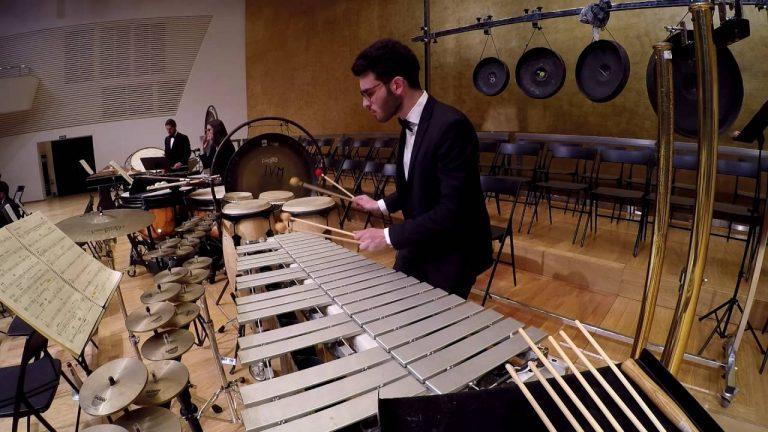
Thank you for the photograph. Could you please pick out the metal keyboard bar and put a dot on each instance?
(379, 280)
(328, 257)
(275, 293)
(395, 315)
(359, 278)
(300, 240)
(258, 247)
(311, 249)
(271, 414)
(331, 268)
(353, 410)
(282, 275)
(245, 265)
(265, 304)
(349, 273)
(422, 328)
(286, 346)
(385, 299)
(288, 307)
(373, 291)
(290, 331)
(458, 377)
(286, 385)
(416, 350)
(453, 355)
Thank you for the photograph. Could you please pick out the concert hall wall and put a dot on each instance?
(299, 54)
(215, 74)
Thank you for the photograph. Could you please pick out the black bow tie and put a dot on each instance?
(405, 124)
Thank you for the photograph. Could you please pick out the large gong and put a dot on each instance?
(602, 70)
(267, 162)
(540, 73)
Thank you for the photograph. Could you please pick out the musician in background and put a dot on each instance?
(177, 148)
(215, 154)
(8, 208)
(445, 238)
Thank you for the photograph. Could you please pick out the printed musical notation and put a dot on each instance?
(52, 283)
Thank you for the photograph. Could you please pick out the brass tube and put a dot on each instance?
(665, 99)
(706, 87)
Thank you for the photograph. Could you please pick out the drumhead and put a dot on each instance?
(313, 204)
(277, 196)
(134, 160)
(231, 197)
(247, 207)
(205, 194)
(267, 162)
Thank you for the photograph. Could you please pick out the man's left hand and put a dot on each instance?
(177, 165)
(371, 239)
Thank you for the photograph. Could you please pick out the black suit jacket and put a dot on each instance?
(180, 151)
(446, 235)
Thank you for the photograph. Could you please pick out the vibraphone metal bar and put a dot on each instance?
(428, 340)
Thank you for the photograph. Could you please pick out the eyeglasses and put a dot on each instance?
(370, 92)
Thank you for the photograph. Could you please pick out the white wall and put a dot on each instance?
(217, 78)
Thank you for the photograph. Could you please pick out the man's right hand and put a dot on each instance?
(366, 203)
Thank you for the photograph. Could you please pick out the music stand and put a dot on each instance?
(155, 163)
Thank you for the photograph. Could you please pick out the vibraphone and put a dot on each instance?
(412, 338)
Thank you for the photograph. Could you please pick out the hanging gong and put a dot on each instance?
(602, 70)
(491, 76)
(729, 83)
(540, 73)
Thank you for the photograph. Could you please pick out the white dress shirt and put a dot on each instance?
(410, 136)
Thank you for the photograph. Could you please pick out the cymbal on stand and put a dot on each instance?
(171, 275)
(198, 263)
(170, 243)
(196, 276)
(105, 225)
(167, 378)
(161, 293)
(105, 428)
(150, 419)
(189, 293)
(113, 386)
(150, 317)
(185, 313)
(167, 345)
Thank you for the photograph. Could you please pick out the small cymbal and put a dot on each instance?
(204, 227)
(150, 317)
(160, 293)
(150, 419)
(184, 251)
(178, 342)
(189, 293)
(195, 243)
(198, 263)
(170, 243)
(195, 234)
(171, 275)
(196, 276)
(113, 386)
(160, 253)
(105, 428)
(185, 313)
(104, 225)
(167, 378)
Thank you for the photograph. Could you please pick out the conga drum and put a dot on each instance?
(317, 209)
(277, 198)
(247, 219)
(231, 197)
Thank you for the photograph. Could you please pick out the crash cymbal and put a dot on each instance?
(171, 275)
(150, 317)
(113, 386)
(189, 293)
(150, 419)
(167, 378)
(170, 243)
(104, 225)
(184, 251)
(196, 276)
(167, 345)
(161, 293)
(198, 263)
(195, 243)
(105, 428)
(160, 253)
(185, 314)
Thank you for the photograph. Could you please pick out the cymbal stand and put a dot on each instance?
(132, 338)
(226, 387)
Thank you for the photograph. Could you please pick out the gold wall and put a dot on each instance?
(299, 53)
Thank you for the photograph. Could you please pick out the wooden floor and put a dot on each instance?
(599, 284)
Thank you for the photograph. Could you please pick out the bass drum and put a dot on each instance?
(134, 160)
(268, 162)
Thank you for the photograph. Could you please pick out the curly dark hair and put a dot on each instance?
(387, 59)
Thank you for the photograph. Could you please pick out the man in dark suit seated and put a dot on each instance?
(177, 148)
(9, 210)
(445, 237)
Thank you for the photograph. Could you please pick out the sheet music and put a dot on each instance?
(51, 283)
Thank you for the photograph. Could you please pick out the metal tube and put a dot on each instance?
(665, 98)
(706, 80)
(427, 48)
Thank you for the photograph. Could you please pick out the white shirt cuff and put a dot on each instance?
(386, 236)
(384, 211)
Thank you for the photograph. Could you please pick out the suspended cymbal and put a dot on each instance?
(113, 386)
(170, 243)
(167, 345)
(189, 293)
(196, 234)
(160, 253)
(193, 242)
(167, 378)
(104, 225)
(161, 293)
(185, 314)
(171, 275)
(196, 276)
(184, 251)
(105, 428)
(150, 317)
(198, 263)
(150, 419)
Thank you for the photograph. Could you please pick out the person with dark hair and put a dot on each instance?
(216, 154)
(9, 210)
(445, 237)
(177, 148)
